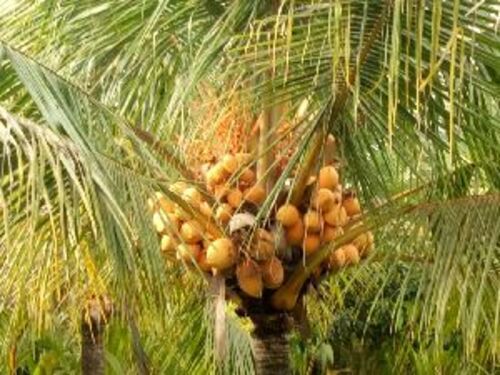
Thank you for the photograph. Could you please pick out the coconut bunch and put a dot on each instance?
(322, 218)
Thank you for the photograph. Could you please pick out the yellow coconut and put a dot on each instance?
(330, 233)
(173, 221)
(216, 175)
(288, 215)
(328, 177)
(249, 278)
(160, 222)
(234, 197)
(311, 243)
(203, 262)
(224, 213)
(166, 205)
(191, 232)
(273, 273)
(247, 177)
(312, 221)
(336, 217)
(295, 234)
(337, 259)
(325, 199)
(206, 209)
(243, 158)
(167, 244)
(351, 254)
(351, 206)
(364, 243)
(229, 163)
(255, 194)
(181, 214)
(192, 196)
(221, 254)
(188, 252)
(220, 191)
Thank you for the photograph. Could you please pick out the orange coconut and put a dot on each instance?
(351, 254)
(249, 278)
(351, 206)
(188, 252)
(221, 254)
(229, 163)
(311, 243)
(288, 215)
(337, 259)
(191, 232)
(312, 221)
(328, 177)
(224, 213)
(295, 234)
(273, 273)
(330, 233)
(255, 194)
(234, 198)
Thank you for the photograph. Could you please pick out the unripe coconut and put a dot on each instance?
(192, 196)
(311, 243)
(167, 244)
(324, 200)
(206, 209)
(223, 213)
(229, 163)
(328, 177)
(273, 273)
(188, 252)
(221, 254)
(247, 177)
(351, 205)
(337, 259)
(234, 198)
(191, 232)
(336, 217)
(288, 215)
(351, 254)
(255, 194)
(159, 222)
(249, 278)
(312, 221)
(330, 233)
(295, 234)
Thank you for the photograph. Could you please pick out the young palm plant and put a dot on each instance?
(106, 105)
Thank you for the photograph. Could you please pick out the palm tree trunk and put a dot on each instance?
(270, 344)
(92, 347)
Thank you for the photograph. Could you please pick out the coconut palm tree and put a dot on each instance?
(105, 103)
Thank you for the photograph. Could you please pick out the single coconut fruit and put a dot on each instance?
(229, 163)
(220, 191)
(166, 205)
(243, 158)
(159, 222)
(221, 254)
(328, 177)
(247, 177)
(351, 254)
(188, 252)
(351, 205)
(192, 196)
(273, 273)
(249, 278)
(191, 232)
(295, 234)
(324, 200)
(337, 259)
(234, 198)
(264, 235)
(223, 213)
(336, 217)
(312, 221)
(288, 215)
(330, 233)
(203, 262)
(216, 175)
(262, 250)
(255, 194)
(206, 209)
(167, 244)
(311, 243)
(178, 187)
(364, 243)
